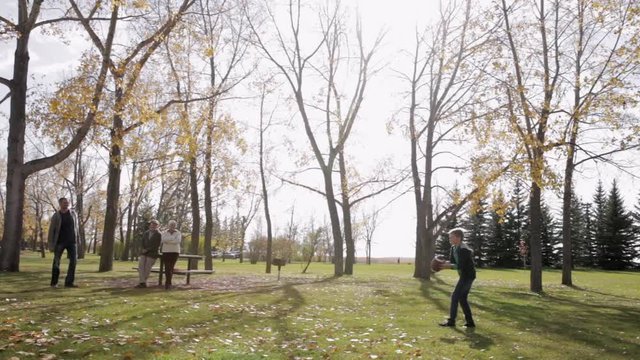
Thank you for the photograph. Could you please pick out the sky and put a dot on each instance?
(52, 60)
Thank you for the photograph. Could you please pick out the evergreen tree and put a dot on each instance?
(443, 246)
(599, 204)
(636, 217)
(579, 243)
(497, 250)
(590, 258)
(476, 225)
(549, 238)
(618, 236)
(515, 226)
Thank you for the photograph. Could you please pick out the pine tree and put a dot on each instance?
(443, 246)
(497, 249)
(599, 203)
(579, 245)
(549, 238)
(636, 217)
(515, 227)
(476, 224)
(618, 234)
(591, 250)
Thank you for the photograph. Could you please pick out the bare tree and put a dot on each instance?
(264, 127)
(310, 243)
(445, 99)
(370, 222)
(604, 61)
(294, 62)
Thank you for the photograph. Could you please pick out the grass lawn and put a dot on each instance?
(379, 313)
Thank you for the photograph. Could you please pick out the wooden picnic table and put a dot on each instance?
(192, 262)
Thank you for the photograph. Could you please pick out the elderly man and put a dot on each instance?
(461, 259)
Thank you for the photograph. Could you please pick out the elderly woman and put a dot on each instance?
(148, 252)
(170, 245)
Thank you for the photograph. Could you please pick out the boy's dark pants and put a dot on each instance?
(459, 295)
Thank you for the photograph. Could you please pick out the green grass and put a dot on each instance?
(380, 312)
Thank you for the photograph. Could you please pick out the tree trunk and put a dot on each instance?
(265, 195)
(346, 215)
(336, 231)
(39, 230)
(95, 237)
(43, 246)
(535, 213)
(15, 183)
(113, 186)
(208, 211)
(567, 261)
(79, 192)
(130, 214)
(195, 206)
(420, 268)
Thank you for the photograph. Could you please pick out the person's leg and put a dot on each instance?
(455, 299)
(55, 268)
(72, 254)
(149, 261)
(142, 266)
(165, 261)
(169, 263)
(464, 303)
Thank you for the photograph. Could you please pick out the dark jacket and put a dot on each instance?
(466, 267)
(150, 244)
(54, 229)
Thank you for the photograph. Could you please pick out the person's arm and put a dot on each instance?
(50, 236)
(174, 239)
(451, 264)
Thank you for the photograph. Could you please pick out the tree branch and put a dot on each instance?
(5, 97)
(8, 22)
(6, 82)
(307, 187)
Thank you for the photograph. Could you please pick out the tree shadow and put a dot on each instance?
(622, 297)
(596, 325)
(433, 291)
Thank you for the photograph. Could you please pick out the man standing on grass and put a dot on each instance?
(148, 252)
(461, 259)
(63, 235)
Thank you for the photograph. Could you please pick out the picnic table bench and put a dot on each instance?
(192, 261)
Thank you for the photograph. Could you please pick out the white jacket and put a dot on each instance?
(171, 242)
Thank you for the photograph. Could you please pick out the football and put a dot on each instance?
(437, 263)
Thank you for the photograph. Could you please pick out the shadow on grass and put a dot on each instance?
(474, 338)
(433, 290)
(190, 323)
(621, 297)
(597, 326)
